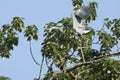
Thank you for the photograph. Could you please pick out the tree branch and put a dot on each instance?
(36, 62)
(41, 68)
(92, 61)
(83, 57)
(109, 55)
(32, 54)
(66, 58)
(84, 63)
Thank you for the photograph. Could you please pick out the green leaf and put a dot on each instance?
(77, 3)
(35, 37)
(31, 32)
(17, 24)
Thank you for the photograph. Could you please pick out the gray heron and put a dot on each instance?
(79, 16)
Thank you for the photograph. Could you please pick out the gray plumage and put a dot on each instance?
(79, 16)
(83, 12)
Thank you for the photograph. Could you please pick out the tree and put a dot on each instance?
(68, 56)
(4, 78)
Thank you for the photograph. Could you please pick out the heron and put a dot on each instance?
(79, 22)
(79, 19)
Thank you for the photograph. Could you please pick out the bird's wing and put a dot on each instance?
(79, 24)
(83, 12)
(77, 21)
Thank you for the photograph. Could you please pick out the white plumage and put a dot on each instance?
(79, 16)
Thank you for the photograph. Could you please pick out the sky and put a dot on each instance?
(20, 65)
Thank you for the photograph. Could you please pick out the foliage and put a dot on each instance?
(73, 57)
(65, 50)
(9, 36)
(4, 78)
(31, 32)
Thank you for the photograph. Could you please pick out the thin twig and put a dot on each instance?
(32, 54)
(67, 57)
(41, 68)
(117, 48)
(71, 54)
(46, 62)
(49, 66)
(95, 42)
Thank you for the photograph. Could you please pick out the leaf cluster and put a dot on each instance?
(58, 42)
(113, 26)
(109, 40)
(9, 36)
(31, 32)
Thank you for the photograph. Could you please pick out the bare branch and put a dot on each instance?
(67, 57)
(83, 57)
(71, 54)
(32, 54)
(46, 62)
(36, 61)
(49, 66)
(118, 49)
(41, 68)
(109, 55)
(94, 60)
(84, 63)
(78, 65)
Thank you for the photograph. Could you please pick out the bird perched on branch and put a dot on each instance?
(79, 19)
